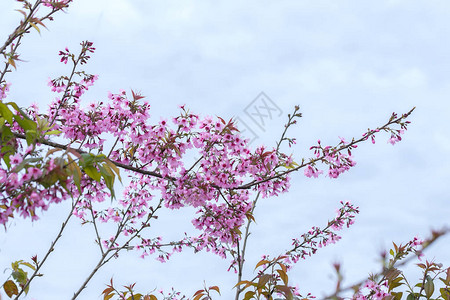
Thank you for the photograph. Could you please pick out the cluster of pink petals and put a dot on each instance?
(338, 162)
(375, 290)
(4, 89)
(317, 238)
(396, 137)
(21, 191)
(226, 161)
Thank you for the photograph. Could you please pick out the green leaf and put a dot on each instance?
(20, 276)
(9, 150)
(87, 159)
(394, 285)
(113, 167)
(53, 132)
(7, 147)
(7, 134)
(42, 123)
(285, 290)
(17, 108)
(106, 170)
(292, 165)
(283, 276)
(108, 175)
(107, 297)
(75, 172)
(57, 174)
(410, 297)
(93, 173)
(429, 288)
(12, 62)
(445, 293)
(15, 265)
(31, 136)
(249, 295)
(397, 296)
(26, 124)
(263, 279)
(35, 27)
(10, 288)
(26, 290)
(6, 113)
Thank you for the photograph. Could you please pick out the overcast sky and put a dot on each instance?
(347, 64)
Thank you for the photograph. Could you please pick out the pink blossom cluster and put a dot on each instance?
(71, 89)
(226, 161)
(317, 238)
(373, 290)
(339, 158)
(396, 137)
(338, 162)
(395, 133)
(65, 54)
(312, 171)
(26, 186)
(221, 222)
(92, 192)
(4, 89)
(150, 246)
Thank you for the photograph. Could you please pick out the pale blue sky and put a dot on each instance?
(347, 64)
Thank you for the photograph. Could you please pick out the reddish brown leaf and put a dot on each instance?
(10, 288)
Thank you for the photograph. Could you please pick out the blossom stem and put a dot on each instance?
(320, 158)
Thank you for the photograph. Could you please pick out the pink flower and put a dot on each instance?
(4, 89)
(15, 159)
(370, 285)
(312, 172)
(35, 172)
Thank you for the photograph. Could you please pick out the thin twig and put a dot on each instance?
(104, 258)
(241, 256)
(96, 230)
(50, 250)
